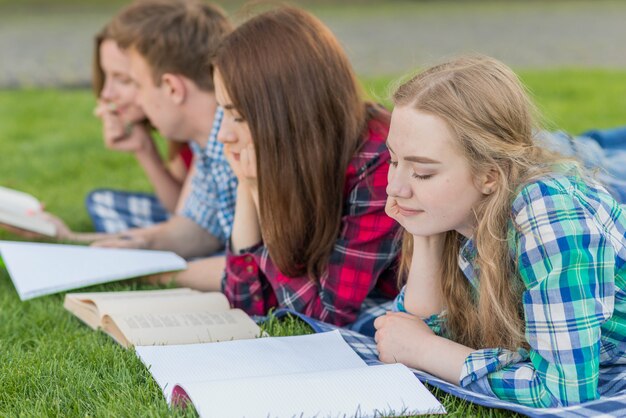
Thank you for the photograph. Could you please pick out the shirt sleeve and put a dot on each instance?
(365, 249)
(567, 267)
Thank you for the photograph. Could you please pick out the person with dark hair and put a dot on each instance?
(310, 232)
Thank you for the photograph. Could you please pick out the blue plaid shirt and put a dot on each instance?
(568, 239)
(211, 201)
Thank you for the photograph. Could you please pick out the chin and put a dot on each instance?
(422, 230)
(136, 115)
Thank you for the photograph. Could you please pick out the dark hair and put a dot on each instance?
(289, 78)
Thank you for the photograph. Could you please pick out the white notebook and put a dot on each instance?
(38, 269)
(312, 375)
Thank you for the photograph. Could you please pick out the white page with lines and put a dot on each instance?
(284, 376)
(173, 364)
(370, 391)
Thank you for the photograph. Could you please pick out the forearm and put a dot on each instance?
(204, 275)
(443, 358)
(88, 237)
(166, 186)
(423, 296)
(180, 235)
(246, 228)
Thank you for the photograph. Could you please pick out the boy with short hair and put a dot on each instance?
(170, 45)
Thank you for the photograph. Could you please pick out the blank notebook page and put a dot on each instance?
(181, 364)
(38, 269)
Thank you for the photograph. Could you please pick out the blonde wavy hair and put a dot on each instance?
(489, 111)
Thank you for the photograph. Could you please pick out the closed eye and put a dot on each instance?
(422, 177)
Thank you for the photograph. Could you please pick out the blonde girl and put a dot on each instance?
(516, 260)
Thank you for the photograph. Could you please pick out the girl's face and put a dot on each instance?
(119, 89)
(430, 186)
(234, 132)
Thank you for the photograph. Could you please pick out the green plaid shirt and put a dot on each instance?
(568, 239)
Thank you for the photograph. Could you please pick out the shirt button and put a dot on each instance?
(256, 298)
(248, 259)
(250, 269)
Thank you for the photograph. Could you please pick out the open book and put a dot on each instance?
(24, 211)
(38, 269)
(176, 316)
(311, 375)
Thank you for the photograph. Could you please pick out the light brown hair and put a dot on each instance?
(289, 78)
(173, 36)
(488, 110)
(98, 78)
(97, 74)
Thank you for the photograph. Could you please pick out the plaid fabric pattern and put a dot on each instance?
(603, 151)
(114, 211)
(211, 202)
(364, 256)
(372, 308)
(612, 382)
(569, 241)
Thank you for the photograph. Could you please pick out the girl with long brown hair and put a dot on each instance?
(515, 257)
(310, 232)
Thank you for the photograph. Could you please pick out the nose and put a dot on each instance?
(226, 135)
(108, 90)
(397, 185)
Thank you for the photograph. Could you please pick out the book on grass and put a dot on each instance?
(311, 375)
(38, 269)
(172, 316)
(24, 211)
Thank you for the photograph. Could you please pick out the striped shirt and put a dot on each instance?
(568, 240)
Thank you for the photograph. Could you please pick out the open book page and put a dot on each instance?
(183, 364)
(17, 201)
(390, 390)
(23, 211)
(39, 269)
(151, 301)
(156, 303)
(91, 307)
(183, 327)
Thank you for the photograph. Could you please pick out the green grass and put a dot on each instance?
(50, 143)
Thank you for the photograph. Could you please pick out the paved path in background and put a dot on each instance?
(44, 47)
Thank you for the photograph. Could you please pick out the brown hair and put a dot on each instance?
(488, 109)
(173, 36)
(289, 78)
(97, 84)
(97, 74)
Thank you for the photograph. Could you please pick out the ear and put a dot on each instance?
(175, 87)
(488, 181)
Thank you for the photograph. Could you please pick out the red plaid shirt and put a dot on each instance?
(364, 256)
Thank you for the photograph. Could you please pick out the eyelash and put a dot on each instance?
(414, 175)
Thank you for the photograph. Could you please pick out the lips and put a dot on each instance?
(236, 156)
(407, 211)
